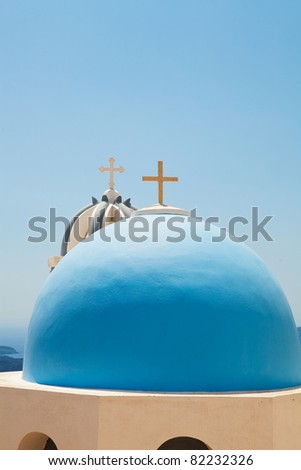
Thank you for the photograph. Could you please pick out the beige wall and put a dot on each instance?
(222, 422)
(287, 421)
(70, 421)
(91, 419)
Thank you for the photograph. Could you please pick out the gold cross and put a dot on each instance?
(112, 170)
(160, 180)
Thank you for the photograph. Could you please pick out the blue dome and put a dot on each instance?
(162, 316)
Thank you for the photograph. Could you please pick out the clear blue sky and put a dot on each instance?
(212, 87)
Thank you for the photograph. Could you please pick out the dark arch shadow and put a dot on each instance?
(37, 441)
(183, 443)
(50, 445)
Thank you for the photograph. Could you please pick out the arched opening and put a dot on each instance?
(183, 443)
(37, 441)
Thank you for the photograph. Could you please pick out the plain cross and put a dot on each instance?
(112, 170)
(160, 179)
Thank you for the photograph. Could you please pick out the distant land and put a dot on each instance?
(9, 364)
(7, 350)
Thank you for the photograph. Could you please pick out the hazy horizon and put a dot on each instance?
(13, 337)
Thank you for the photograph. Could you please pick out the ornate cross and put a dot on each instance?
(112, 170)
(160, 179)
